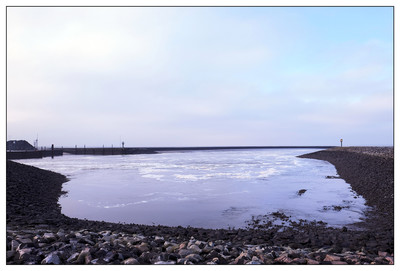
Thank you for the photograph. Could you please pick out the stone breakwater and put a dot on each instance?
(37, 233)
(370, 172)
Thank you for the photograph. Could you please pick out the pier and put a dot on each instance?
(150, 150)
(108, 151)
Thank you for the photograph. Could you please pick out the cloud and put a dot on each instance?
(190, 76)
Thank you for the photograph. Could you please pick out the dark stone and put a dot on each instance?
(147, 257)
(163, 257)
(173, 257)
(301, 192)
(212, 255)
(110, 256)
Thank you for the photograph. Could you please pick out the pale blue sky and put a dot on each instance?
(207, 76)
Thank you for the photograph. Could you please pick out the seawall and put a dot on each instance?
(150, 150)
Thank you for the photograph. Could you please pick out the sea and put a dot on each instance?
(204, 188)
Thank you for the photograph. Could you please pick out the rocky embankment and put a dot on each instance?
(37, 233)
(370, 172)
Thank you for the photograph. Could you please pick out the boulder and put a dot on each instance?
(194, 258)
(331, 258)
(49, 237)
(52, 258)
(130, 261)
(14, 245)
(24, 254)
(73, 258)
(82, 255)
(311, 261)
(110, 256)
(301, 192)
(284, 258)
(184, 252)
(195, 249)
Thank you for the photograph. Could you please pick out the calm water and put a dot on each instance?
(213, 189)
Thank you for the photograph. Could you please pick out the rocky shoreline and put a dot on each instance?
(37, 232)
(370, 172)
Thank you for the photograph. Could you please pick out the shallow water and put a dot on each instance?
(212, 189)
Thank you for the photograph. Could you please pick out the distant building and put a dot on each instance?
(19, 145)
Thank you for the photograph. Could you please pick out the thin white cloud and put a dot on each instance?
(189, 76)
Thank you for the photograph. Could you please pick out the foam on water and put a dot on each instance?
(214, 189)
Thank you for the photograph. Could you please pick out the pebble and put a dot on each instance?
(96, 249)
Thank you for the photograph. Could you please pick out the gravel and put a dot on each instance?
(37, 232)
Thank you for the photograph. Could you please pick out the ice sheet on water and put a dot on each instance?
(204, 188)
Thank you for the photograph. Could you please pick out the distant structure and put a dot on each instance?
(19, 145)
(341, 142)
(36, 142)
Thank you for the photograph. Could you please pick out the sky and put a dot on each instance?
(200, 76)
